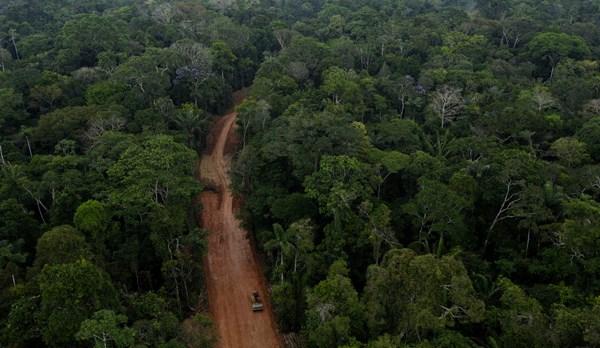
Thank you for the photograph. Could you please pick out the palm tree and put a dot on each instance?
(193, 121)
(282, 245)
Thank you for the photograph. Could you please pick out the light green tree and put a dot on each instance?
(106, 329)
(159, 171)
(550, 48)
(418, 295)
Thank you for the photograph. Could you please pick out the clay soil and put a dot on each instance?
(231, 266)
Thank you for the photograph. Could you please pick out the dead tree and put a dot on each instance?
(13, 38)
(447, 103)
(2, 161)
(512, 196)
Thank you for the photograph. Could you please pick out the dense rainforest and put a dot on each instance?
(415, 173)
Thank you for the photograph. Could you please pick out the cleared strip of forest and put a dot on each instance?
(232, 270)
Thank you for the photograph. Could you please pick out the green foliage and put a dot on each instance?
(570, 152)
(200, 332)
(156, 172)
(193, 121)
(70, 294)
(589, 135)
(11, 114)
(435, 211)
(341, 85)
(430, 294)
(91, 218)
(520, 317)
(340, 182)
(552, 47)
(154, 323)
(85, 36)
(62, 244)
(100, 104)
(68, 123)
(105, 330)
(447, 151)
(334, 314)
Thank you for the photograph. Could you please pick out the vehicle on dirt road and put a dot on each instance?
(210, 186)
(257, 304)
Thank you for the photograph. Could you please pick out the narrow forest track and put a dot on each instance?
(232, 270)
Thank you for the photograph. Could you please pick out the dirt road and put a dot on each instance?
(231, 266)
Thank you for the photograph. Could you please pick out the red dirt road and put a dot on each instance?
(231, 268)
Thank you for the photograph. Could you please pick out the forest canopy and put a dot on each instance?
(415, 173)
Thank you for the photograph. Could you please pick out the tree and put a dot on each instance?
(60, 245)
(342, 85)
(305, 137)
(106, 122)
(11, 258)
(67, 123)
(156, 172)
(13, 40)
(153, 320)
(106, 92)
(520, 317)
(447, 104)
(589, 133)
(17, 222)
(164, 13)
(5, 59)
(194, 65)
(378, 227)
(570, 152)
(550, 48)
(406, 91)
(397, 134)
(146, 75)
(390, 162)
(592, 107)
(291, 245)
(223, 61)
(11, 114)
(436, 210)
(70, 294)
(253, 116)
(194, 122)
(93, 219)
(21, 325)
(177, 245)
(512, 172)
(334, 314)
(579, 236)
(281, 244)
(282, 34)
(540, 98)
(340, 182)
(83, 38)
(417, 295)
(199, 332)
(508, 206)
(106, 329)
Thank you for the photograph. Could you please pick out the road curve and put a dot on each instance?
(231, 268)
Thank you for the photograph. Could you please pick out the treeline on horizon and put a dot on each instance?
(416, 173)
